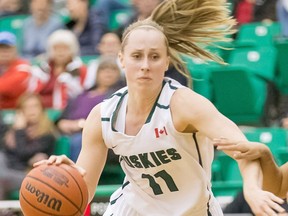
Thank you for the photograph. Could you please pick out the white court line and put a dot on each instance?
(10, 204)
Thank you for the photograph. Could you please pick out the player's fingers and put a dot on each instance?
(274, 203)
(244, 155)
(41, 162)
(223, 141)
(50, 160)
(62, 159)
(231, 147)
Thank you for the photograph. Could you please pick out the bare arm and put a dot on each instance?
(200, 114)
(272, 174)
(94, 152)
(190, 110)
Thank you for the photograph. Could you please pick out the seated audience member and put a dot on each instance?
(31, 138)
(14, 71)
(3, 128)
(71, 121)
(142, 10)
(38, 27)
(60, 75)
(105, 8)
(109, 46)
(282, 15)
(87, 25)
(12, 7)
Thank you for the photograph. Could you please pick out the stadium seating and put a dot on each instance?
(282, 65)
(239, 94)
(200, 73)
(86, 59)
(259, 60)
(275, 138)
(229, 181)
(241, 88)
(257, 34)
(118, 18)
(13, 24)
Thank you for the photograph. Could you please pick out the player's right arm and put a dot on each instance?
(94, 151)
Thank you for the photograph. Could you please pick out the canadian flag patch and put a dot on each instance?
(160, 132)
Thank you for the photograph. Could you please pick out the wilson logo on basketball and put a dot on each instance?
(59, 178)
(160, 132)
(44, 198)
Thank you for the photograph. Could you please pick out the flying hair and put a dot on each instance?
(189, 26)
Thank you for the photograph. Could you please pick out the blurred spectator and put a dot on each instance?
(60, 75)
(3, 129)
(283, 110)
(265, 10)
(30, 139)
(14, 72)
(106, 7)
(142, 10)
(282, 14)
(109, 45)
(243, 11)
(87, 24)
(38, 27)
(73, 117)
(12, 7)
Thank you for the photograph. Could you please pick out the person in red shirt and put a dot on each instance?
(60, 74)
(14, 72)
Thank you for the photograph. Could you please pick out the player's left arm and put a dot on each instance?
(191, 110)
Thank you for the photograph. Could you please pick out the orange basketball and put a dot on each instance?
(53, 190)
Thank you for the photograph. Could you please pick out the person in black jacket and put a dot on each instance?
(31, 138)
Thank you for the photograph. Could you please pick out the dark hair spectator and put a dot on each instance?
(31, 138)
(87, 25)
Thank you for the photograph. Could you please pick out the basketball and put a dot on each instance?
(57, 190)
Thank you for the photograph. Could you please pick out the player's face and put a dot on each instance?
(145, 58)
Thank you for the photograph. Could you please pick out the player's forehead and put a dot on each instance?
(146, 38)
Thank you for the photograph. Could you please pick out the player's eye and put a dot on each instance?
(155, 57)
(136, 56)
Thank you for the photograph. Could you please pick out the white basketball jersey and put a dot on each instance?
(167, 172)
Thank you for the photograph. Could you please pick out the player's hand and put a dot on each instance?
(242, 149)
(264, 203)
(59, 159)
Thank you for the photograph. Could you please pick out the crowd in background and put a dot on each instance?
(47, 70)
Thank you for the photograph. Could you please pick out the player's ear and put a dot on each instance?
(120, 56)
(167, 63)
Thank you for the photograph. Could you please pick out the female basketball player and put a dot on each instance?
(161, 130)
